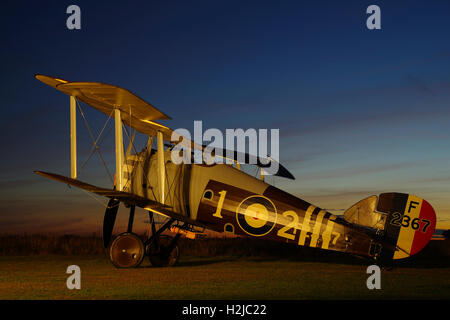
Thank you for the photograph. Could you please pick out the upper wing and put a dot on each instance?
(106, 97)
(136, 113)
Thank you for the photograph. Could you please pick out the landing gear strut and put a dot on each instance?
(128, 250)
(162, 250)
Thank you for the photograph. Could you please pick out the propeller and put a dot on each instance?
(109, 220)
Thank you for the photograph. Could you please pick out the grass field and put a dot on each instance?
(222, 277)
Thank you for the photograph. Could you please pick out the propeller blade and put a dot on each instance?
(109, 220)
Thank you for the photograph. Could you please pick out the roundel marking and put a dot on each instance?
(256, 215)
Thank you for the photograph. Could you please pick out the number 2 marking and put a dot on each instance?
(396, 219)
(292, 225)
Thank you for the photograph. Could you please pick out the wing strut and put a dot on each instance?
(161, 168)
(73, 137)
(119, 150)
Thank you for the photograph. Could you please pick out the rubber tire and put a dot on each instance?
(127, 250)
(159, 259)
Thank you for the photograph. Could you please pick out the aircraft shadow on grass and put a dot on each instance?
(435, 255)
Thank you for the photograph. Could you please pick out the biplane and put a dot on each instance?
(223, 198)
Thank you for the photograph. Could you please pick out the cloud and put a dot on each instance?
(397, 104)
(420, 86)
(19, 183)
(339, 173)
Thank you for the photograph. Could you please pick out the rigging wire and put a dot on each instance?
(91, 152)
(95, 198)
(94, 141)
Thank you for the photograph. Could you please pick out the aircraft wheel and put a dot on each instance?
(127, 250)
(160, 256)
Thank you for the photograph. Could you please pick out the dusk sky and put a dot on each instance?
(359, 111)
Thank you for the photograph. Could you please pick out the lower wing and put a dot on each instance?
(128, 198)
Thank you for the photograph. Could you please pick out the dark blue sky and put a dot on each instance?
(359, 111)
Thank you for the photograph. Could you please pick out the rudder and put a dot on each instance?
(410, 224)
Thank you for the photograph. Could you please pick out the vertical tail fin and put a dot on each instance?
(409, 226)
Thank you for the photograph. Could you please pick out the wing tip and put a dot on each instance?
(285, 173)
(59, 84)
(49, 80)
